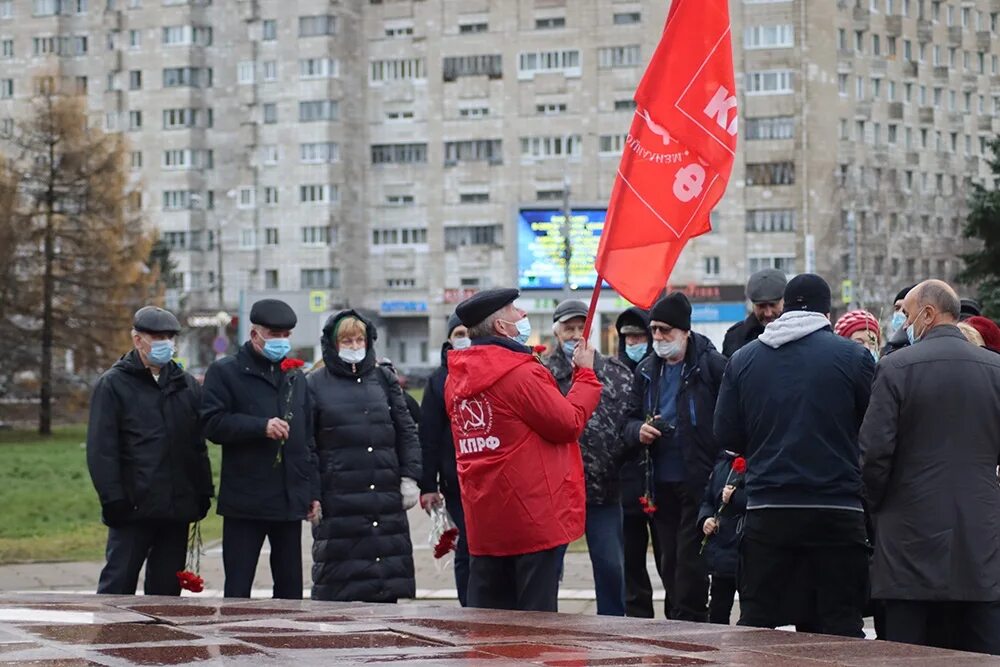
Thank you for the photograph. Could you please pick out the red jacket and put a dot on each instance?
(517, 448)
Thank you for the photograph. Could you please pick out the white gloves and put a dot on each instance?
(411, 492)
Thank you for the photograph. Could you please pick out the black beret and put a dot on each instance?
(674, 309)
(479, 306)
(453, 323)
(902, 293)
(807, 291)
(151, 319)
(273, 314)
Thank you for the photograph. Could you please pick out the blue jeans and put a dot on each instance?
(606, 543)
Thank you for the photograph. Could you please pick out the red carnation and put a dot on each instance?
(190, 581)
(289, 364)
(739, 465)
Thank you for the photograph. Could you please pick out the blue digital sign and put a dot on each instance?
(541, 242)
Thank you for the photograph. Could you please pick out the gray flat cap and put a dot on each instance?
(569, 309)
(155, 320)
(766, 285)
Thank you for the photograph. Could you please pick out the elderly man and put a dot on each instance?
(603, 453)
(262, 417)
(519, 462)
(930, 445)
(144, 412)
(671, 409)
(765, 292)
(792, 403)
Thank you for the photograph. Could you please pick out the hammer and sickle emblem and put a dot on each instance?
(473, 415)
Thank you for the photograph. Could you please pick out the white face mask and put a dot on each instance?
(666, 349)
(352, 356)
(461, 343)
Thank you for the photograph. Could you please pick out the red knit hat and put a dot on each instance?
(857, 320)
(988, 329)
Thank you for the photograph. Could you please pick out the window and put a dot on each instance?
(473, 112)
(316, 236)
(859, 87)
(469, 28)
(711, 266)
(318, 110)
(876, 45)
(770, 173)
(6, 48)
(319, 68)
(550, 23)
(768, 36)
(271, 236)
(485, 65)
(269, 70)
(135, 79)
(477, 150)
(772, 127)
(269, 154)
(399, 200)
(135, 159)
(269, 30)
(134, 39)
(176, 240)
(399, 153)
(472, 235)
(246, 197)
(624, 105)
(567, 62)
(195, 77)
(6, 9)
(271, 279)
(784, 263)
(314, 26)
(612, 143)
(549, 195)
(397, 70)
(245, 72)
(318, 153)
(618, 56)
(771, 220)
(473, 197)
(320, 278)
(270, 113)
(174, 119)
(270, 195)
(135, 120)
(178, 35)
(177, 200)
(398, 29)
(317, 194)
(401, 283)
(842, 84)
(186, 158)
(550, 109)
(545, 147)
(248, 239)
(626, 18)
(769, 82)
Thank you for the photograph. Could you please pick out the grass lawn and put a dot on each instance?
(50, 509)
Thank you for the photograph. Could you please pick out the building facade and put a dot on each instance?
(380, 154)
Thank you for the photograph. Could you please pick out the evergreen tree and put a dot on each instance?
(982, 267)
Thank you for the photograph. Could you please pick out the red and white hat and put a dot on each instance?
(857, 320)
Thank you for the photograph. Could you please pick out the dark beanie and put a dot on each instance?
(674, 310)
(453, 323)
(808, 291)
(901, 294)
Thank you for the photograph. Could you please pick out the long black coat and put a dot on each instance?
(367, 442)
(242, 393)
(144, 442)
(440, 472)
(930, 443)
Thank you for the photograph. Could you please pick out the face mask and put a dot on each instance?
(875, 355)
(523, 331)
(568, 347)
(461, 343)
(352, 356)
(161, 352)
(898, 320)
(666, 349)
(911, 333)
(636, 352)
(277, 349)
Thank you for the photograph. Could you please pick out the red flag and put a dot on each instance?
(678, 154)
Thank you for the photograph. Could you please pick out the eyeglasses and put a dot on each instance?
(657, 329)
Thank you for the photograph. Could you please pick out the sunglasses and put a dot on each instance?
(656, 328)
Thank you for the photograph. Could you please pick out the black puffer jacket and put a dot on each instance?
(367, 442)
(440, 470)
(601, 444)
(144, 443)
(242, 393)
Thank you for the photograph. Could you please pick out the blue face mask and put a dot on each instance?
(911, 333)
(161, 352)
(636, 352)
(523, 331)
(875, 355)
(898, 320)
(568, 347)
(277, 349)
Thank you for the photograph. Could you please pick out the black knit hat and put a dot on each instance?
(808, 291)
(674, 309)
(901, 294)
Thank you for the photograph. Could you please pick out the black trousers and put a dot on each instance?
(962, 626)
(807, 567)
(242, 540)
(529, 582)
(638, 588)
(161, 545)
(723, 594)
(453, 501)
(685, 577)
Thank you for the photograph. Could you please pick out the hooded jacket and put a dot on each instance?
(700, 377)
(144, 442)
(602, 446)
(367, 442)
(792, 403)
(437, 447)
(634, 315)
(633, 470)
(516, 442)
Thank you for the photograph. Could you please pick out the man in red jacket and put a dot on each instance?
(519, 463)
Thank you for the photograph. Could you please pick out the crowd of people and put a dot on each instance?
(817, 470)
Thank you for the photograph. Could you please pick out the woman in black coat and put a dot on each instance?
(369, 458)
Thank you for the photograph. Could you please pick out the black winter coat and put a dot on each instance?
(696, 397)
(633, 471)
(740, 334)
(601, 443)
(436, 444)
(144, 443)
(367, 442)
(721, 551)
(242, 392)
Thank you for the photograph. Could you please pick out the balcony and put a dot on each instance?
(895, 111)
(955, 35)
(910, 69)
(956, 118)
(925, 31)
(926, 115)
(984, 40)
(941, 72)
(894, 26)
(862, 18)
(985, 123)
(878, 65)
(913, 158)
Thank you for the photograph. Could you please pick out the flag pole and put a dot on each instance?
(593, 307)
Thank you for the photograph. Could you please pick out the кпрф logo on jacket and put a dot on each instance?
(474, 422)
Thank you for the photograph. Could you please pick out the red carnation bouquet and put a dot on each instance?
(289, 367)
(188, 578)
(444, 533)
(739, 467)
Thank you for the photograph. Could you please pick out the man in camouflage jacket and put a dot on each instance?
(603, 454)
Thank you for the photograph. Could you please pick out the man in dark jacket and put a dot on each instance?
(765, 292)
(671, 409)
(634, 345)
(792, 403)
(440, 475)
(603, 452)
(725, 489)
(262, 417)
(896, 336)
(147, 459)
(930, 444)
